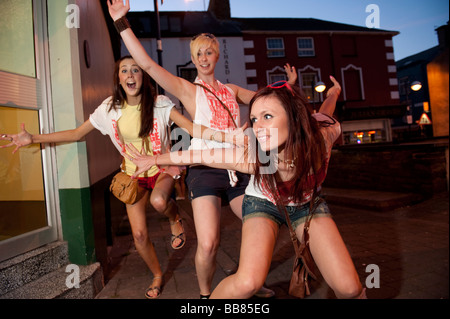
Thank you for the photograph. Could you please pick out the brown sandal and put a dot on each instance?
(154, 288)
(181, 236)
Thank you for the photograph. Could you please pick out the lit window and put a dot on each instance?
(308, 81)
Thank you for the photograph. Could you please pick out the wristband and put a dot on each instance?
(122, 24)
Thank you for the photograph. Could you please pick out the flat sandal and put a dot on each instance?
(181, 236)
(154, 288)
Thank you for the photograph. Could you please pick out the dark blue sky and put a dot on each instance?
(416, 20)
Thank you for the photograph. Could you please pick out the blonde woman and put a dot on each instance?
(208, 188)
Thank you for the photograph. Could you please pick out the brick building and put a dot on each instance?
(254, 50)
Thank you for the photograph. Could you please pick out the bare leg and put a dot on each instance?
(332, 257)
(207, 211)
(163, 203)
(137, 217)
(236, 206)
(259, 235)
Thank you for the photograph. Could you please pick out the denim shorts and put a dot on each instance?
(206, 181)
(259, 207)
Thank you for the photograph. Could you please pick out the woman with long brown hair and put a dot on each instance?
(134, 115)
(214, 105)
(288, 165)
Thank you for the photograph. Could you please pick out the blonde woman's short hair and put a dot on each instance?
(204, 40)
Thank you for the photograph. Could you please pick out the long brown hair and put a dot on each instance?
(148, 97)
(304, 144)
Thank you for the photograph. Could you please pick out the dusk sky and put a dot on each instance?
(416, 20)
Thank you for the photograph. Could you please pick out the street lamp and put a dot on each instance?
(318, 87)
(416, 86)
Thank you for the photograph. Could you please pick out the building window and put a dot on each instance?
(17, 53)
(352, 83)
(367, 131)
(364, 137)
(403, 86)
(187, 72)
(28, 216)
(305, 47)
(275, 47)
(308, 77)
(275, 75)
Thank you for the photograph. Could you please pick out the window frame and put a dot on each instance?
(312, 49)
(271, 51)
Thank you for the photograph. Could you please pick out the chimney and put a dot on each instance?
(220, 8)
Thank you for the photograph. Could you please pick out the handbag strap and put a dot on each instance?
(223, 104)
(312, 208)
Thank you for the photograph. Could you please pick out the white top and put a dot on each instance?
(106, 123)
(210, 112)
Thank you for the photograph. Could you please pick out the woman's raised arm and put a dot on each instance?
(179, 87)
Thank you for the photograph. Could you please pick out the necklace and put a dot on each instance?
(289, 163)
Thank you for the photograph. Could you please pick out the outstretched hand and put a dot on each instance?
(21, 139)
(117, 9)
(142, 162)
(238, 137)
(335, 89)
(291, 73)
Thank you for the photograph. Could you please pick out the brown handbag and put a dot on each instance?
(125, 188)
(304, 269)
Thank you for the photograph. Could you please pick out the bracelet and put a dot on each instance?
(122, 24)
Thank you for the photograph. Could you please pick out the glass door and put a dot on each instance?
(28, 210)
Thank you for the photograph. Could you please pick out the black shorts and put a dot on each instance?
(206, 181)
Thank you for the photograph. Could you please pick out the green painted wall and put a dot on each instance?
(78, 230)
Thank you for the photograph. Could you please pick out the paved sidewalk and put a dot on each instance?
(409, 245)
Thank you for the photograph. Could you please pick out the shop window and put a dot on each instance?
(17, 35)
(28, 214)
(364, 137)
(22, 199)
